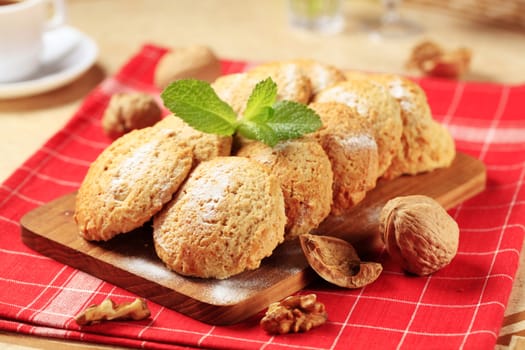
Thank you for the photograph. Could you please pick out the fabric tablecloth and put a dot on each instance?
(461, 306)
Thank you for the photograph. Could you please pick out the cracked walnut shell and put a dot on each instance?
(337, 262)
(419, 233)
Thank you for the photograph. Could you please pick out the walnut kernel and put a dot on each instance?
(108, 310)
(298, 313)
(419, 233)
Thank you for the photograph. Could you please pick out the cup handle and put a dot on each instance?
(59, 15)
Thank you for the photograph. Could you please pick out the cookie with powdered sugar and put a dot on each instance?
(306, 180)
(235, 89)
(321, 75)
(426, 144)
(292, 82)
(373, 102)
(226, 218)
(349, 142)
(130, 181)
(205, 146)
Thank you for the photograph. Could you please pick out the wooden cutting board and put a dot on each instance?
(129, 260)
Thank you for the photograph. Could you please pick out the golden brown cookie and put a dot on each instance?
(426, 144)
(205, 146)
(129, 111)
(348, 140)
(321, 75)
(130, 181)
(235, 89)
(292, 83)
(225, 219)
(197, 62)
(373, 102)
(306, 180)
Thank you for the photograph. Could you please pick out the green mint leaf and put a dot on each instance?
(258, 131)
(262, 98)
(196, 103)
(291, 120)
(262, 116)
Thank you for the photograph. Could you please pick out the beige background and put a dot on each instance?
(250, 30)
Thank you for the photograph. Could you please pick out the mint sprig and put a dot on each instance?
(264, 119)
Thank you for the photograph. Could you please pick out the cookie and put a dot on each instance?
(321, 75)
(373, 102)
(205, 146)
(130, 181)
(235, 89)
(292, 83)
(348, 140)
(306, 180)
(426, 144)
(225, 219)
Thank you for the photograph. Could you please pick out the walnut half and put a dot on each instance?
(337, 262)
(109, 310)
(298, 313)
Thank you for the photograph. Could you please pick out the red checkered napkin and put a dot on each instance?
(460, 306)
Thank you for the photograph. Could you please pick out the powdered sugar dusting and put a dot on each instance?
(359, 141)
(208, 191)
(132, 169)
(399, 92)
(321, 77)
(283, 264)
(289, 86)
(350, 98)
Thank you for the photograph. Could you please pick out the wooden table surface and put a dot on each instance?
(250, 30)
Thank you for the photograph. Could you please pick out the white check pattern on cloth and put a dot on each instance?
(40, 296)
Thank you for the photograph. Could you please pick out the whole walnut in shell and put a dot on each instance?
(129, 111)
(419, 233)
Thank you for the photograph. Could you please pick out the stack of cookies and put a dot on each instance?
(220, 205)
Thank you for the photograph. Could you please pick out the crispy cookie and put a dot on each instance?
(321, 75)
(225, 219)
(205, 146)
(292, 83)
(130, 181)
(426, 144)
(235, 89)
(348, 140)
(373, 102)
(306, 180)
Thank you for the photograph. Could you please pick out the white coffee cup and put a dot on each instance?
(22, 25)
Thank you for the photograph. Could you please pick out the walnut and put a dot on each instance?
(109, 310)
(336, 261)
(197, 62)
(419, 233)
(298, 313)
(433, 60)
(128, 111)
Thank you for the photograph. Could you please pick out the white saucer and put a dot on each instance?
(67, 54)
